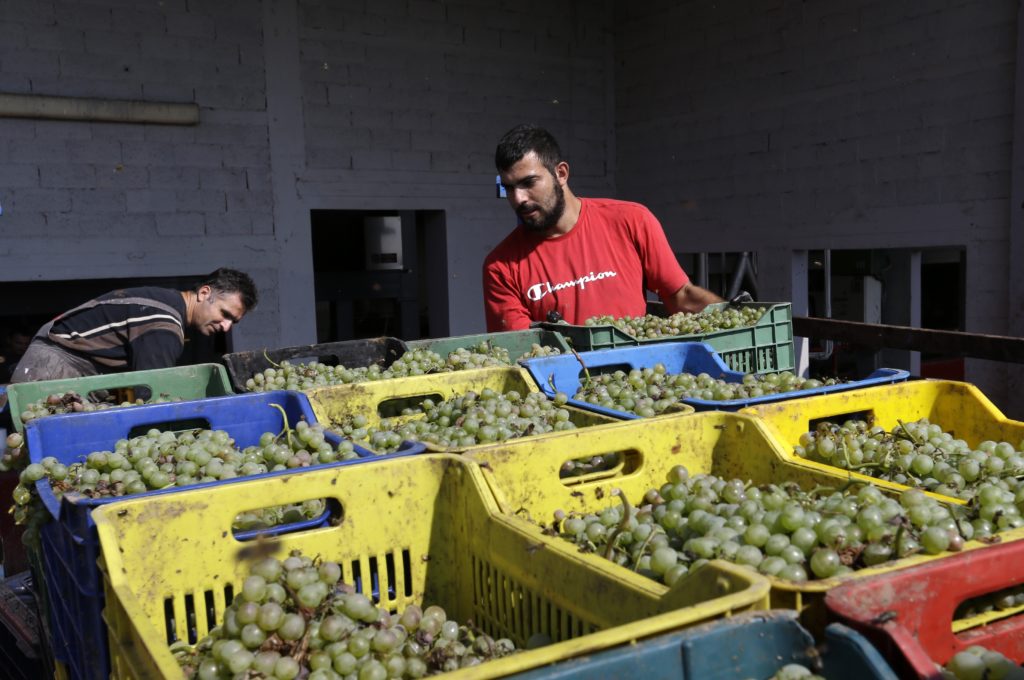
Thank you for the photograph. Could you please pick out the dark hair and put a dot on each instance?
(226, 280)
(521, 140)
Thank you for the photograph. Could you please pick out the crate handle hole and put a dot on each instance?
(176, 426)
(293, 518)
(867, 415)
(987, 609)
(393, 408)
(599, 467)
(121, 394)
(603, 370)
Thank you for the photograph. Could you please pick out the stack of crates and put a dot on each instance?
(69, 546)
(470, 531)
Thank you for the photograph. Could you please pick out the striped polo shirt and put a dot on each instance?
(132, 329)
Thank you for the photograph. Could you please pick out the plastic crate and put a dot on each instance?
(517, 343)
(183, 382)
(69, 545)
(383, 398)
(765, 346)
(351, 353)
(957, 407)
(566, 374)
(909, 614)
(451, 547)
(752, 645)
(14, 557)
(5, 410)
(524, 476)
(20, 649)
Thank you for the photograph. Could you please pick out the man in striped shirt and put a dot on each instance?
(135, 329)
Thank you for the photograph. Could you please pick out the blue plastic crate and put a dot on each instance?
(752, 645)
(69, 544)
(564, 374)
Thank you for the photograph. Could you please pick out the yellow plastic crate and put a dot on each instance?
(383, 398)
(425, 529)
(524, 478)
(959, 408)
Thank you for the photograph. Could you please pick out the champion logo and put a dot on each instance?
(539, 290)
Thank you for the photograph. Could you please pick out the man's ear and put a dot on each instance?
(562, 173)
(204, 293)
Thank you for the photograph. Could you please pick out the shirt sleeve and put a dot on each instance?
(503, 306)
(155, 349)
(662, 271)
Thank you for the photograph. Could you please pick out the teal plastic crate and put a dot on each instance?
(517, 343)
(765, 346)
(754, 645)
(180, 382)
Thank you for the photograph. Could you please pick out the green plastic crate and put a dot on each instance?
(182, 382)
(765, 346)
(517, 343)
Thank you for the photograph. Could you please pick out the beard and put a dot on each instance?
(545, 218)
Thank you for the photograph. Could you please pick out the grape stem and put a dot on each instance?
(627, 510)
(269, 360)
(287, 429)
(643, 547)
(586, 371)
(907, 432)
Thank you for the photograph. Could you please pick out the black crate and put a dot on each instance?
(350, 353)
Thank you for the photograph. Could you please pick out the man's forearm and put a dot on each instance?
(691, 298)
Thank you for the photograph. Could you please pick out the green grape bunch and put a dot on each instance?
(538, 351)
(465, 420)
(796, 671)
(978, 663)
(72, 402)
(710, 320)
(419, 361)
(653, 390)
(296, 619)
(919, 454)
(159, 460)
(777, 529)
(15, 455)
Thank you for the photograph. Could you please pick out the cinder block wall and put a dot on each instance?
(405, 101)
(390, 104)
(777, 126)
(102, 200)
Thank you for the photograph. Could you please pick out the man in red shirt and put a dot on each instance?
(578, 257)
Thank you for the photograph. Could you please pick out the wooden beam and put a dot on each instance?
(952, 343)
(45, 107)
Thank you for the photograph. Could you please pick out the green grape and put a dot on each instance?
(341, 633)
(710, 320)
(778, 529)
(419, 361)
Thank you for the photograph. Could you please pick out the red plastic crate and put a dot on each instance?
(909, 614)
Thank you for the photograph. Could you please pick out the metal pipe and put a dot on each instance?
(45, 107)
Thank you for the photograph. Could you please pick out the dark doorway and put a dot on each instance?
(379, 273)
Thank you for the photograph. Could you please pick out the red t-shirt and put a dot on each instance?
(600, 267)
